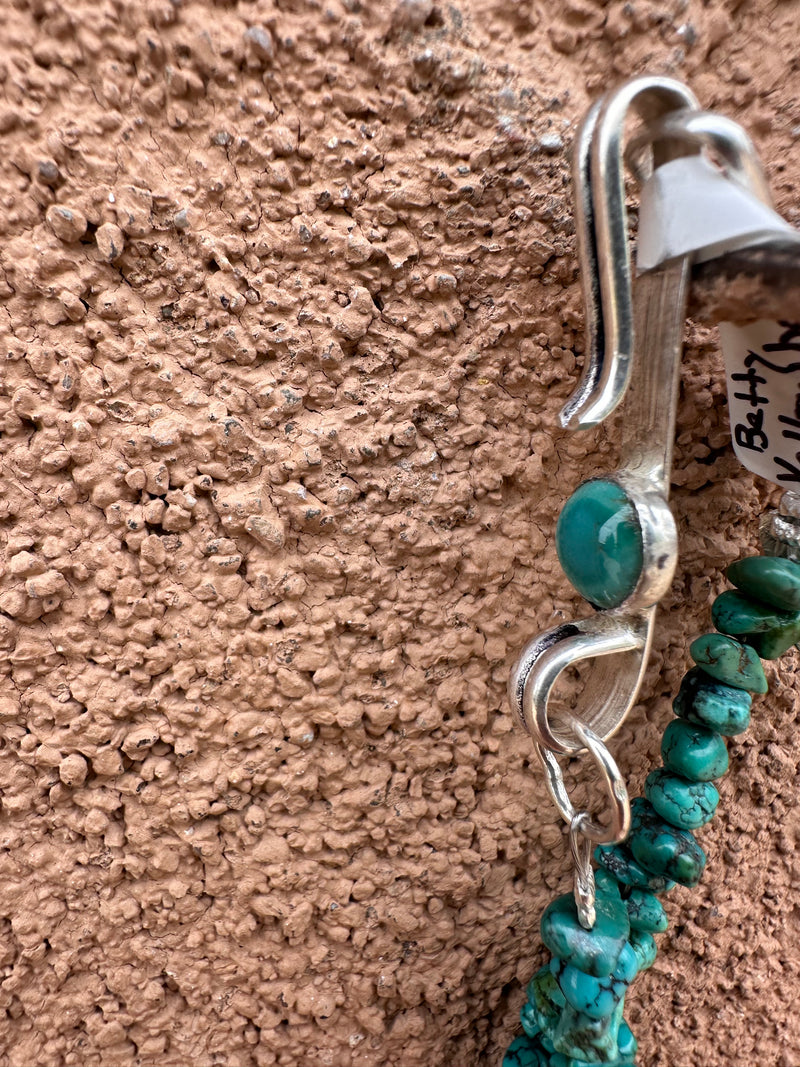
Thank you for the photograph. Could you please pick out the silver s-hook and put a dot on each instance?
(602, 233)
(616, 537)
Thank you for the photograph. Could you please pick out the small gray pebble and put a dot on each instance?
(48, 171)
(551, 143)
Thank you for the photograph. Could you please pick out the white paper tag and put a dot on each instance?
(689, 207)
(762, 366)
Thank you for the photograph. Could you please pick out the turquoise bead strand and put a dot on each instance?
(573, 1014)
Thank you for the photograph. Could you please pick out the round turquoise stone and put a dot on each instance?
(599, 543)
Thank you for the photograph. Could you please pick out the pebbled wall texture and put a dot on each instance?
(288, 307)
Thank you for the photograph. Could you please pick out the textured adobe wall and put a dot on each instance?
(288, 306)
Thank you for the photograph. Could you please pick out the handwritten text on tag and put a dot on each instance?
(762, 364)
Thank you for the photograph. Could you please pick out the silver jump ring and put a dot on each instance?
(620, 823)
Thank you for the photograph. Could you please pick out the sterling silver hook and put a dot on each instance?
(602, 233)
(620, 321)
(616, 537)
(610, 371)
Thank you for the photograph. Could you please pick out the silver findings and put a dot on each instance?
(614, 648)
(581, 849)
(618, 640)
(584, 830)
(613, 782)
(780, 530)
(613, 644)
(621, 319)
(601, 227)
(714, 133)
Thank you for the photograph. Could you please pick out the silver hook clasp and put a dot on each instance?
(616, 641)
(602, 233)
(616, 537)
(622, 319)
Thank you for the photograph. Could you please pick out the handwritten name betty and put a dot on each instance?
(752, 433)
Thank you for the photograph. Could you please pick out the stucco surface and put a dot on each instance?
(288, 307)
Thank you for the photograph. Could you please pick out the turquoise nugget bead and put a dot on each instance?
(768, 579)
(662, 848)
(522, 1052)
(693, 752)
(626, 1041)
(617, 859)
(774, 643)
(687, 805)
(644, 948)
(734, 613)
(730, 662)
(585, 1039)
(712, 704)
(599, 543)
(768, 631)
(627, 966)
(594, 951)
(594, 997)
(529, 1017)
(646, 912)
(545, 999)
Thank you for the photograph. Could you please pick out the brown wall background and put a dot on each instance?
(288, 307)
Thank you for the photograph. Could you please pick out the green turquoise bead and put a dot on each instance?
(606, 884)
(522, 1052)
(627, 966)
(687, 805)
(769, 631)
(729, 661)
(594, 951)
(588, 1040)
(734, 613)
(772, 581)
(619, 862)
(626, 1042)
(719, 707)
(646, 912)
(664, 849)
(693, 751)
(529, 1018)
(563, 1061)
(545, 999)
(599, 543)
(594, 997)
(644, 948)
(773, 643)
